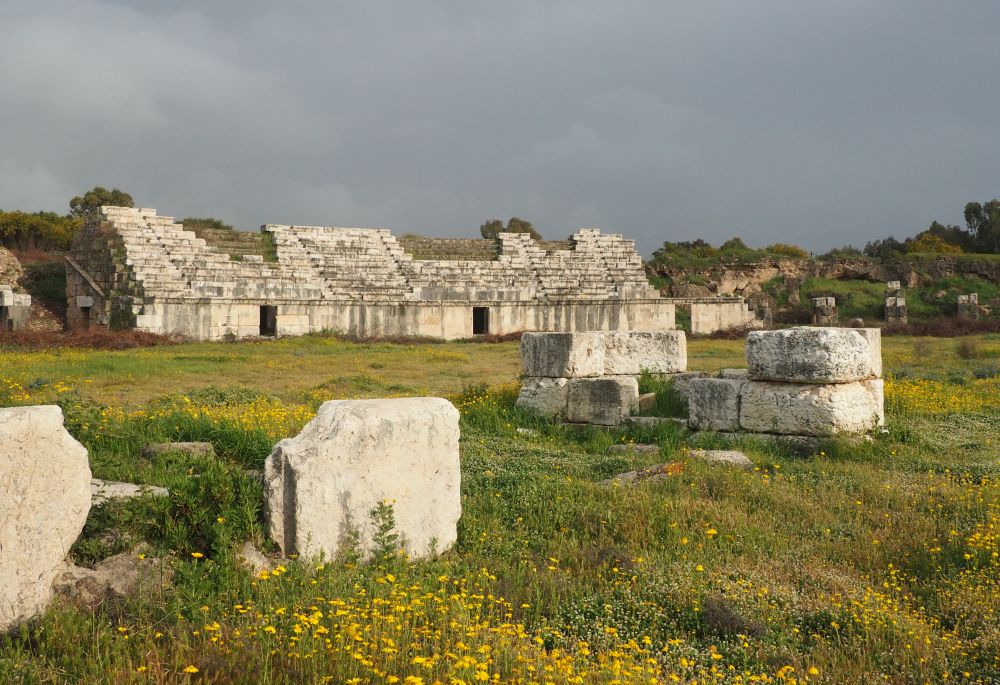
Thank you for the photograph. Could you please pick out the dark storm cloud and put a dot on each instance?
(821, 123)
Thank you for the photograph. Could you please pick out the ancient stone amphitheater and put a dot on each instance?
(130, 268)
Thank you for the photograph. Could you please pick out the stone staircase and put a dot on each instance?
(237, 244)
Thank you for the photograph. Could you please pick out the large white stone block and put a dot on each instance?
(562, 355)
(354, 454)
(605, 401)
(632, 352)
(809, 355)
(873, 336)
(545, 396)
(714, 404)
(808, 409)
(877, 388)
(44, 501)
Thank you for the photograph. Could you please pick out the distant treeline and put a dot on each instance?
(981, 236)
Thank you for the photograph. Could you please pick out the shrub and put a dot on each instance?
(787, 250)
(41, 230)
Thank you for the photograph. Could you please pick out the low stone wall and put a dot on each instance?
(800, 381)
(712, 314)
(447, 320)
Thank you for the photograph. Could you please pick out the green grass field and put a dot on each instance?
(872, 562)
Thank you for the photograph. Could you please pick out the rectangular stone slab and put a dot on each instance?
(809, 355)
(545, 396)
(714, 404)
(810, 409)
(562, 355)
(603, 401)
(629, 353)
(355, 454)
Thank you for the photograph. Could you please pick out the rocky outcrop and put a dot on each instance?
(747, 280)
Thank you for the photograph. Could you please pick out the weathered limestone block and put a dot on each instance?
(44, 501)
(873, 336)
(808, 409)
(629, 353)
(809, 355)
(877, 388)
(735, 374)
(103, 490)
(714, 404)
(191, 449)
(682, 381)
(605, 401)
(324, 483)
(562, 355)
(545, 396)
(726, 457)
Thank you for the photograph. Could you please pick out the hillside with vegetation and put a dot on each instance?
(935, 267)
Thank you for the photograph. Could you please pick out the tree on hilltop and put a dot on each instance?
(983, 221)
(92, 201)
(494, 227)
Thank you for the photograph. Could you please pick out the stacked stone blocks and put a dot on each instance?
(15, 306)
(968, 306)
(591, 377)
(802, 381)
(824, 311)
(895, 303)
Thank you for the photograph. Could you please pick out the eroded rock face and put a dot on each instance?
(806, 409)
(562, 355)
(44, 501)
(714, 404)
(545, 396)
(355, 454)
(605, 401)
(809, 355)
(629, 353)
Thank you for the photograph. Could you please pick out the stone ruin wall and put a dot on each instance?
(132, 268)
(15, 305)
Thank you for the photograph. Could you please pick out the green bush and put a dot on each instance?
(37, 231)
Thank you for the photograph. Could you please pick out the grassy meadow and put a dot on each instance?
(874, 562)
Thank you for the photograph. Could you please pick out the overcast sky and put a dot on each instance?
(816, 122)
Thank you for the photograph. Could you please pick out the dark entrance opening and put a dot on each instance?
(7, 325)
(480, 320)
(268, 320)
(84, 317)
